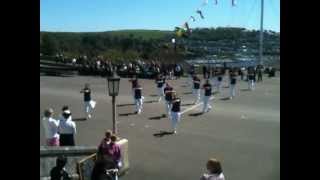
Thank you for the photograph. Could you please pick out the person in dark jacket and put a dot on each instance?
(59, 172)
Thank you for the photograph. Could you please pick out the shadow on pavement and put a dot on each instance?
(79, 119)
(188, 104)
(127, 114)
(225, 98)
(151, 101)
(196, 114)
(187, 93)
(245, 90)
(157, 117)
(121, 105)
(162, 133)
(184, 85)
(153, 95)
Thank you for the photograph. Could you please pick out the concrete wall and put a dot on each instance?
(75, 154)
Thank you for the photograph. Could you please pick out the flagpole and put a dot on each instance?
(261, 34)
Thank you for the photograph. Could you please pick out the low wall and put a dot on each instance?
(75, 155)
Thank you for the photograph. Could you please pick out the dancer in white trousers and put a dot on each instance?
(251, 78)
(138, 99)
(233, 82)
(207, 87)
(196, 89)
(220, 74)
(160, 80)
(88, 103)
(168, 91)
(175, 112)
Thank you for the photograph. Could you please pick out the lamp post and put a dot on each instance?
(113, 88)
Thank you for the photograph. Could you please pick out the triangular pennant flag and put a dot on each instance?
(192, 18)
(200, 13)
(186, 25)
(233, 2)
(205, 2)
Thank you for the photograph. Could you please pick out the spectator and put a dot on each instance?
(51, 128)
(67, 128)
(214, 171)
(112, 150)
(104, 145)
(100, 170)
(59, 172)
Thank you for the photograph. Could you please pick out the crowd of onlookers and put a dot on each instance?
(102, 67)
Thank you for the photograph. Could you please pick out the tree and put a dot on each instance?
(49, 45)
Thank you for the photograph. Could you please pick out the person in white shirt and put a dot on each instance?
(214, 171)
(67, 128)
(51, 128)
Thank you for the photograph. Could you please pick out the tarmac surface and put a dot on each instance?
(243, 133)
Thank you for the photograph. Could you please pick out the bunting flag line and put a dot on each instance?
(192, 18)
(205, 2)
(200, 13)
(234, 2)
(184, 29)
(186, 25)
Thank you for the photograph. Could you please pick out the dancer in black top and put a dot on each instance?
(207, 87)
(175, 112)
(160, 81)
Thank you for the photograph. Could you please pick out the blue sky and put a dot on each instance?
(106, 15)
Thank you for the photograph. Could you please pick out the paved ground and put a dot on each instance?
(244, 133)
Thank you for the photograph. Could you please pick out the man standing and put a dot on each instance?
(50, 128)
(138, 98)
(175, 112)
(88, 103)
(204, 71)
(168, 91)
(67, 128)
(196, 88)
(59, 172)
(207, 87)
(160, 80)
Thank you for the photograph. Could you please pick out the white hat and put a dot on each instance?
(67, 111)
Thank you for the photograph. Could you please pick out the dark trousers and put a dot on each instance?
(67, 140)
(259, 77)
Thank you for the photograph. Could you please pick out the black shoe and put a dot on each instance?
(136, 112)
(163, 115)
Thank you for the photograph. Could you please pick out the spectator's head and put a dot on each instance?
(214, 166)
(113, 138)
(61, 161)
(48, 112)
(66, 113)
(108, 134)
